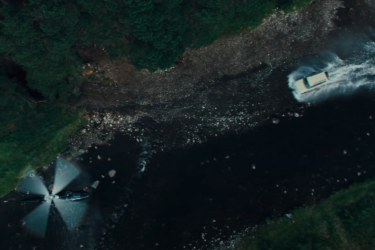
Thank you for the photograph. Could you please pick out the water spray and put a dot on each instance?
(345, 75)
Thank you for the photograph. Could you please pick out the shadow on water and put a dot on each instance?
(205, 193)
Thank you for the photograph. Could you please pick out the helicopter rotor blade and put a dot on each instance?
(65, 172)
(33, 185)
(71, 211)
(37, 220)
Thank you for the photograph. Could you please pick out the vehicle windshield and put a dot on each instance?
(306, 83)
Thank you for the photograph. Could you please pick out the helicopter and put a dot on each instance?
(64, 195)
(71, 205)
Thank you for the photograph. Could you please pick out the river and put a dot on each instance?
(202, 195)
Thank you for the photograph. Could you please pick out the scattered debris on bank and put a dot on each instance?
(225, 87)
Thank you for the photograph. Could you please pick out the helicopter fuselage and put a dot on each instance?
(64, 195)
(73, 195)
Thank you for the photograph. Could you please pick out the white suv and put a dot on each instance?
(312, 82)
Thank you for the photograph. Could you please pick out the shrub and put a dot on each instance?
(31, 134)
(341, 222)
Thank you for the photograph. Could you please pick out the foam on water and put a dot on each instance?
(345, 75)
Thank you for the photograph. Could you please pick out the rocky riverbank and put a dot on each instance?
(225, 87)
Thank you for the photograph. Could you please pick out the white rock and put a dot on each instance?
(95, 184)
(275, 120)
(112, 173)
(203, 236)
(99, 157)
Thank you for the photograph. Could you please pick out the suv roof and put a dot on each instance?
(317, 79)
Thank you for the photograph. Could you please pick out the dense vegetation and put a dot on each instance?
(32, 134)
(44, 36)
(345, 221)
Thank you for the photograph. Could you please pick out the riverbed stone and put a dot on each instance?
(112, 173)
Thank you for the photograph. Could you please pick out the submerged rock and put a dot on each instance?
(112, 173)
(95, 184)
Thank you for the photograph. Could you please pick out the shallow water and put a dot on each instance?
(204, 194)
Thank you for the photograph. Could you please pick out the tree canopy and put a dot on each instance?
(44, 36)
(31, 134)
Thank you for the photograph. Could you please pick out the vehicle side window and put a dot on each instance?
(306, 83)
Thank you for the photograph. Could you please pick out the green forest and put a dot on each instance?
(32, 133)
(344, 221)
(44, 37)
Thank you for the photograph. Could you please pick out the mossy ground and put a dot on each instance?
(344, 221)
(35, 139)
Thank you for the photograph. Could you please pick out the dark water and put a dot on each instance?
(233, 182)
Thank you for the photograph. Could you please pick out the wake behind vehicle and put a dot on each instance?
(312, 82)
